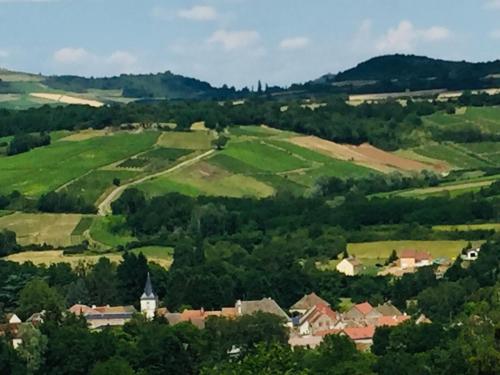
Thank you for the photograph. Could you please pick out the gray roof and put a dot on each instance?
(148, 290)
(267, 305)
(308, 301)
(388, 309)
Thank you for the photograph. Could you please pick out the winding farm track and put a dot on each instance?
(105, 206)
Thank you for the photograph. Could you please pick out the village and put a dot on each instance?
(308, 320)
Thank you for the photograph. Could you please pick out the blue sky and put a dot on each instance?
(239, 41)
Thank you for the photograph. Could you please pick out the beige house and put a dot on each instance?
(103, 316)
(414, 259)
(350, 266)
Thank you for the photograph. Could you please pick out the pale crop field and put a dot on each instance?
(161, 255)
(52, 229)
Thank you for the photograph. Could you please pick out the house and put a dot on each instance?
(306, 303)
(310, 342)
(362, 312)
(388, 309)
(471, 254)
(12, 319)
(36, 318)
(103, 316)
(350, 266)
(318, 318)
(391, 321)
(198, 317)
(11, 332)
(266, 305)
(414, 259)
(362, 336)
(422, 319)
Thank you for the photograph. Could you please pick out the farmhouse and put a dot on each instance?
(267, 305)
(362, 336)
(103, 316)
(307, 302)
(350, 266)
(409, 259)
(318, 318)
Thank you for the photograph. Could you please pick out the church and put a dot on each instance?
(103, 316)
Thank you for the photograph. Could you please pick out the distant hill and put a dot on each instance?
(161, 85)
(402, 72)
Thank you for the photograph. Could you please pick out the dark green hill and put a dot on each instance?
(402, 72)
(161, 85)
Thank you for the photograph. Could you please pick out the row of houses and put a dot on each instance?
(315, 319)
(309, 320)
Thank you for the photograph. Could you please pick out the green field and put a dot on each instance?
(203, 178)
(453, 155)
(468, 227)
(452, 188)
(102, 231)
(91, 186)
(46, 168)
(52, 229)
(195, 140)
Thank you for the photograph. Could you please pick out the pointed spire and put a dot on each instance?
(148, 289)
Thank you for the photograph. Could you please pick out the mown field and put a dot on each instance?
(161, 255)
(52, 229)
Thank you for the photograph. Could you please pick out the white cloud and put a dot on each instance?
(69, 55)
(435, 33)
(404, 37)
(198, 13)
(492, 4)
(4, 53)
(495, 34)
(294, 43)
(79, 60)
(231, 40)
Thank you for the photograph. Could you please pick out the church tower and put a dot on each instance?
(149, 300)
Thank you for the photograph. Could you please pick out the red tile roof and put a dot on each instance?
(415, 254)
(391, 320)
(327, 332)
(360, 333)
(364, 307)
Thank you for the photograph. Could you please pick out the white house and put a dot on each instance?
(349, 266)
(471, 254)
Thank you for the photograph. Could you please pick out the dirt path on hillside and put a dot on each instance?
(104, 207)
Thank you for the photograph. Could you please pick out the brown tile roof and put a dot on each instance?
(360, 333)
(391, 321)
(364, 307)
(308, 301)
(415, 254)
(321, 309)
(81, 309)
(229, 312)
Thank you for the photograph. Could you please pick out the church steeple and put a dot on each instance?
(149, 300)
